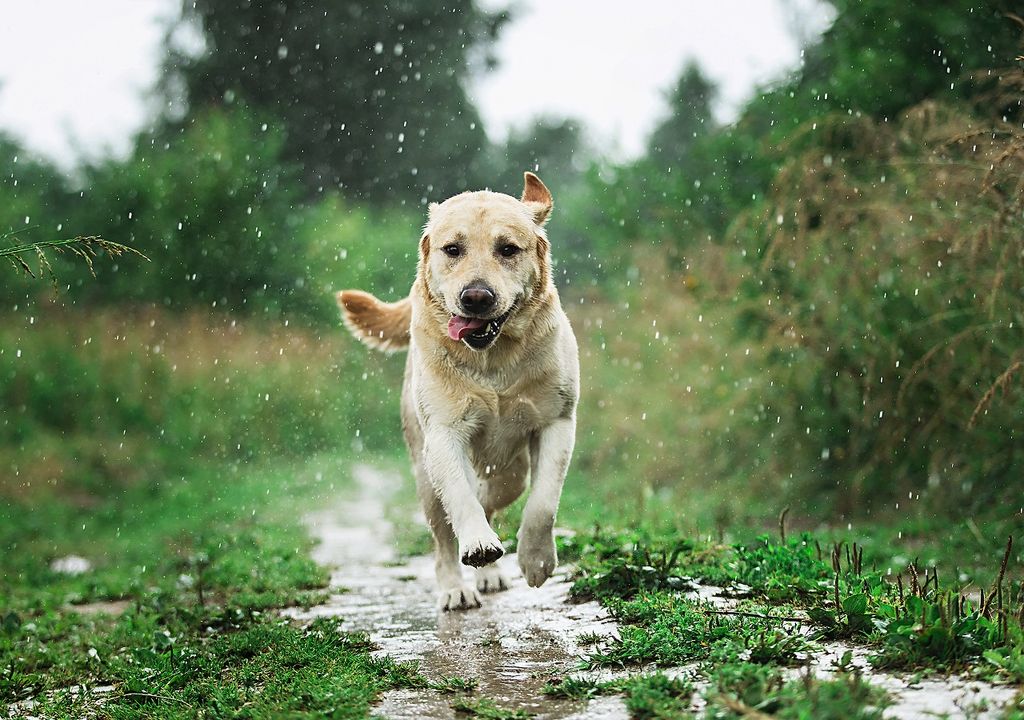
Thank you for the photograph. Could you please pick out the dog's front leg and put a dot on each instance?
(550, 452)
(452, 475)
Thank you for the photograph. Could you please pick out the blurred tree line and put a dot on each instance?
(298, 142)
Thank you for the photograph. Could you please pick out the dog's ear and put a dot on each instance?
(536, 197)
(425, 238)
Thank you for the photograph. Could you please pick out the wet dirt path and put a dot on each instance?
(518, 640)
(524, 636)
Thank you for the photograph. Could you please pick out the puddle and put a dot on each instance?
(517, 641)
(523, 637)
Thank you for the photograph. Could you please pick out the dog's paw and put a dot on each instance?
(537, 557)
(482, 550)
(490, 579)
(461, 597)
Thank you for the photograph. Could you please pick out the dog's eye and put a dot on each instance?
(452, 250)
(509, 250)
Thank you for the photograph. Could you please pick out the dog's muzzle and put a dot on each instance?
(484, 336)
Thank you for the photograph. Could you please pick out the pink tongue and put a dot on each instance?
(459, 327)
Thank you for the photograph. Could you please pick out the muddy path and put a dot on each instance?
(518, 640)
(523, 637)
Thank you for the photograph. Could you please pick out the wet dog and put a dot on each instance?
(491, 382)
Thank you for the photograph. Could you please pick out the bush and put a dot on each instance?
(214, 209)
(886, 280)
(97, 401)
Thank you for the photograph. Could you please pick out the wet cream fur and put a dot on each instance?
(478, 423)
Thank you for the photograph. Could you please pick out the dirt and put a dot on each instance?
(523, 637)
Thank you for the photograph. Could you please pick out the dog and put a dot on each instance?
(491, 382)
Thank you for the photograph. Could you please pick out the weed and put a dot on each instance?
(590, 638)
(84, 247)
(621, 566)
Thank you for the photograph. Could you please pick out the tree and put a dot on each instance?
(880, 58)
(555, 148)
(371, 97)
(689, 118)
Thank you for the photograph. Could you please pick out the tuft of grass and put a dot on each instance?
(648, 696)
(451, 684)
(488, 709)
(744, 690)
(657, 696)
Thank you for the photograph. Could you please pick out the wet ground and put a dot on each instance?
(523, 637)
(517, 641)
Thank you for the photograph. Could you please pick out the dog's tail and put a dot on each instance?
(382, 326)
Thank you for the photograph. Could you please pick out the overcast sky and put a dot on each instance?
(74, 74)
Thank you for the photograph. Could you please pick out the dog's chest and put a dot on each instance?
(518, 413)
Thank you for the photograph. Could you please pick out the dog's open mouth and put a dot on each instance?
(478, 333)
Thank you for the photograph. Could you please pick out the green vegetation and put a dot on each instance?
(909, 620)
(647, 696)
(187, 572)
(816, 306)
(487, 708)
(744, 690)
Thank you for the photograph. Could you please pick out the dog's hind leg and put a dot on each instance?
(490, 578)
(454, 593)
(499, 490)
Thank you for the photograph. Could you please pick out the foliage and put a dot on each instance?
(745, 690)
(911, 625)
(98, 402)
(880, 59)
(893, 319)
(369, 98)
(689, 119)
(199, 560)
(556, 148)
(213, 208)
(486, 708)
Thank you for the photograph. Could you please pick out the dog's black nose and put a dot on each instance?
(477, 299)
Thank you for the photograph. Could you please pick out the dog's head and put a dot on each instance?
(484, 257)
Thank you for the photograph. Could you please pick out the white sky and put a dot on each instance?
(74, 74)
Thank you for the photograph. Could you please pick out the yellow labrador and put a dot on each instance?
(491, 382)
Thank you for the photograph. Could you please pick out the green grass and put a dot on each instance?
(743, 690)
(798, 593)
(202, 561)
(486, 708)
(648, 696)
(174, 454)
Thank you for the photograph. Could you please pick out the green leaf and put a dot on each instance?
(856, 604)
(10, 622)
